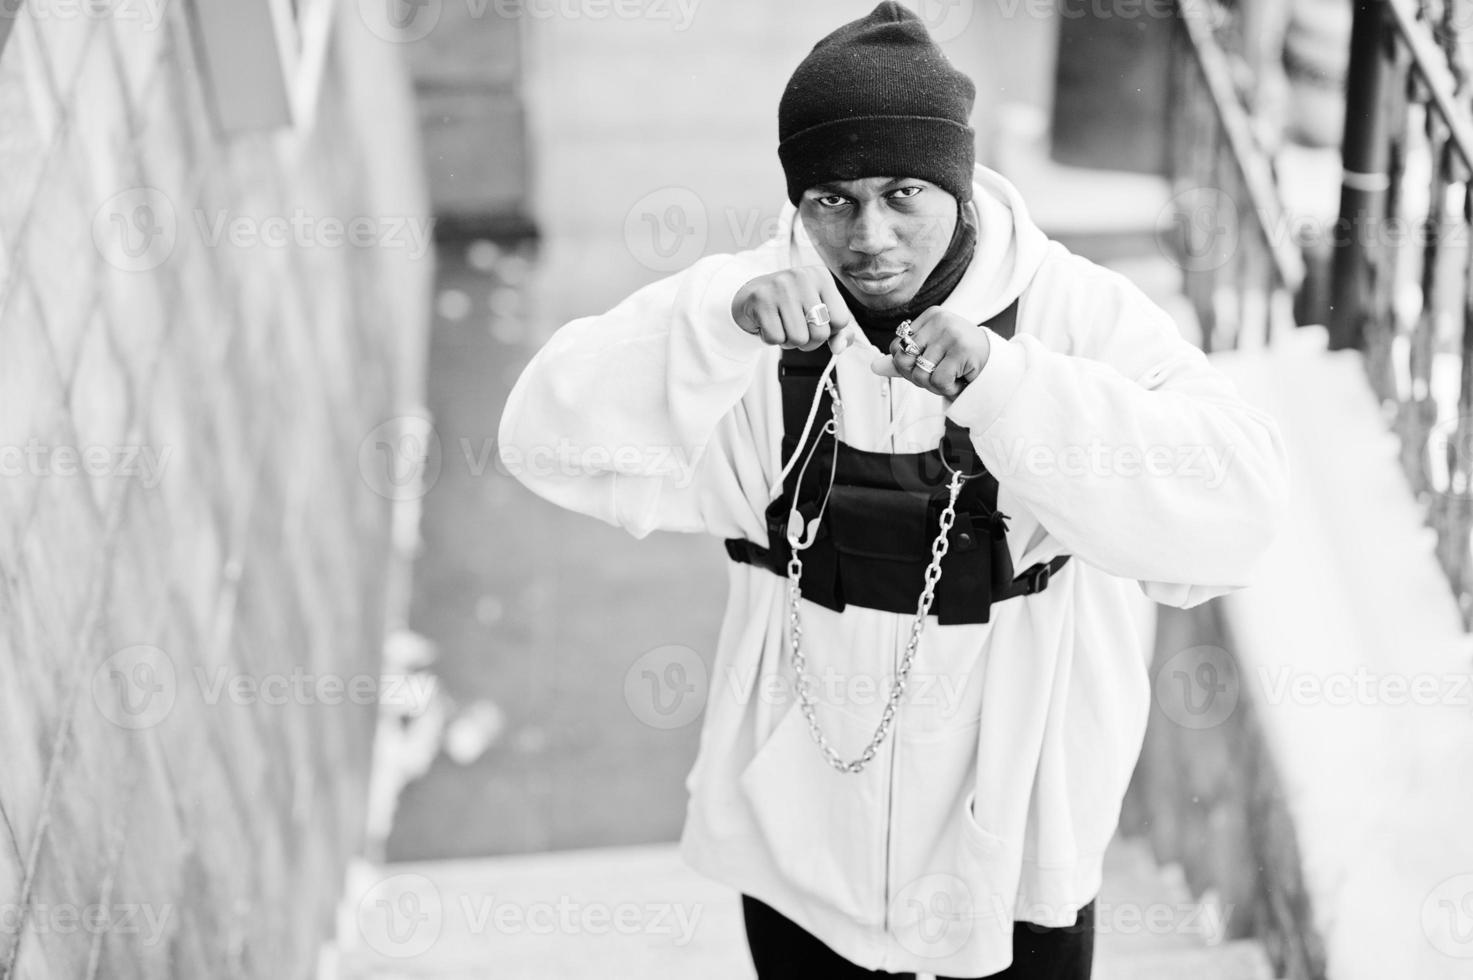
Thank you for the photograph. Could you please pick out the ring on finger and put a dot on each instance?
(817, 316)
(909, 346)
(904, 331)
(925, 365)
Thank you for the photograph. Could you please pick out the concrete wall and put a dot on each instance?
(653, 137)
(193, 563)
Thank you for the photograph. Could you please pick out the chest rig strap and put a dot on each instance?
(873, 542)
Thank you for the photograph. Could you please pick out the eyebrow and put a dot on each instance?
(836, 189)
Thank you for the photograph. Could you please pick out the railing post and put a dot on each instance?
(1364, 180)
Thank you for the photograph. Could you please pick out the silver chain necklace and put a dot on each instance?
(923, 607)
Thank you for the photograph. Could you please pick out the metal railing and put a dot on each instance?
(1240, 270)
(1401, 275)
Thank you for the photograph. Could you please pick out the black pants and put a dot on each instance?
(783, 950)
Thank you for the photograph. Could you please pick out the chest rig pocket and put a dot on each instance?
(875, 534)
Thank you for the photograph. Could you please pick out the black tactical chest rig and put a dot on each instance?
(874, 540)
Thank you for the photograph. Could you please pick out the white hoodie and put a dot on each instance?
(1112, 438)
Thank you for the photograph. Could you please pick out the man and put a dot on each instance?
(945, 454)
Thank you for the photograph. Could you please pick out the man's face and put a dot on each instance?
(880, 236)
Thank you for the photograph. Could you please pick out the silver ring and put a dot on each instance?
(904, 332)
(909, 346)
(818, 316)
(925, 365)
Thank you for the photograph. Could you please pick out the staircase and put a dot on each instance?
(630, 913)
(1148, 927)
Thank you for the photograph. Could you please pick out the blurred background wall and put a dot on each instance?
(194, 572)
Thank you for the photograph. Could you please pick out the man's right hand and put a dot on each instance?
(775, 308)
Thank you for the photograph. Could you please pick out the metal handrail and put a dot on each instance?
(1253, 166)
(1430, 62)
(1408, 101)
(1223, 177)
(1366, 178)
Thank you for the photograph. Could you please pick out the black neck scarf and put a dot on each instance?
(879, 325)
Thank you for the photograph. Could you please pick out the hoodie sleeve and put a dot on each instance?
(636, 416)
(1133, 451)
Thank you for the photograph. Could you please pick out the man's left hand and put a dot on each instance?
(958, 348)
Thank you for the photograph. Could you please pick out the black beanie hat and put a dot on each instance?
(877, 98)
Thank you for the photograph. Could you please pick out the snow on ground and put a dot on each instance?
(1354, 655)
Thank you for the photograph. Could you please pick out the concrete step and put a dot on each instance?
(624, 913)
(639, 912)
(1239, 960)
(1148, 926)
(1142, 907)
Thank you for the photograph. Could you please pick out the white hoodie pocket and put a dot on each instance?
(822, 827)
(991, 866)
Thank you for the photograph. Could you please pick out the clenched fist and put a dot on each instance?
(955, 348)
(776, 307)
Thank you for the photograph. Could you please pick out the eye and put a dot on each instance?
(832, 201)
(904, 193)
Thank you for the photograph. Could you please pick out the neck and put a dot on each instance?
(879, 325)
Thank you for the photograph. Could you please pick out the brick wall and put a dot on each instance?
(195, 552)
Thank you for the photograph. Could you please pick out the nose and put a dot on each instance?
(871, 233)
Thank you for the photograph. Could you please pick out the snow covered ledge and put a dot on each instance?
(1325, 758)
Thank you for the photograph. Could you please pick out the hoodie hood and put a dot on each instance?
(1010, 247)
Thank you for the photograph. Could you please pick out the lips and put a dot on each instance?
(876, 283)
